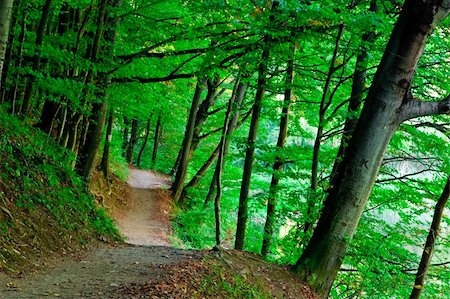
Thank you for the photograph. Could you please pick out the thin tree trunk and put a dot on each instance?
(250, 152)
(6, 7)
(6, 53)
(356, 97)
(125, 137)
(144, 144)
(278, 164)
(387, 105)
(36, 58)
(104, 164)
(156, 140)
(12, 94)
(324, 104)
(133, 140)
(87, 155)
(232, 124)
(180, 177)
(428, 249)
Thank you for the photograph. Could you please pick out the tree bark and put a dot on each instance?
(231, 125)
(356, 97)
(380, 118)
(5, 20)
(144, 144)
(133, 140)
(36, 58)
(250, 152)
(278, 164)
(324, 104)
(180, 176)
(6, 50)
(104, 164)
(88, 153)
(428, 249)
(156, 140)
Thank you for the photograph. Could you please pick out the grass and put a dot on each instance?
(44, 205)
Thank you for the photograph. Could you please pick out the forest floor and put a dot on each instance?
(146, 266)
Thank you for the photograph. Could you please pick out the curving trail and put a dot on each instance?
(101, 271)
(146, 221)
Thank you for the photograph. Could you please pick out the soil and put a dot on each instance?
(145, 266)
(143, 219)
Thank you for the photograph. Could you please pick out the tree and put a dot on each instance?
(430, 243)
(278, 164)
(388, 104)
(5, 19)
(178, 183)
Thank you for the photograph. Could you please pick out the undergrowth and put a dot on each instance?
(44, 205)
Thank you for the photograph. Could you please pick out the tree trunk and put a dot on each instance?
(133, 140)
(125, 137)
(88, 152)
(5, 20)
(231, 125)
(156, 140)
(6, 49)
(387, 105)
(250, 152)
(12, 93)
(144, 144)
(324, 104)
(428, 249)
(180, 176)
(278, 164)
(104, 164)
(358, 87)
(36, 58)
(86, 159)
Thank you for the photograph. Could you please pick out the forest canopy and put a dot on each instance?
(314, 133)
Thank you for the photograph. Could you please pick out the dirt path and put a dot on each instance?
(146, 222)
(98, 272)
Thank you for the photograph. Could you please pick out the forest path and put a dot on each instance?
(103, 270)
(146, 219)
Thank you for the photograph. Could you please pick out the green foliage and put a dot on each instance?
(50, 201)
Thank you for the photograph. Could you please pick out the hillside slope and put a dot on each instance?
(44, 206)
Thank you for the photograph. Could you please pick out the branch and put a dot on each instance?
(416, 108)
(152, 80)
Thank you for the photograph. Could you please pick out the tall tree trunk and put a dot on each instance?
(12, 93)
(125, 137)
(180, 176)
(87, 157)
(387, 105)
(156, 140)
(279, 161)
(5, 20)
(36, 58)
(356, 97)
(104, 164)
(324, 104)
(133, 140)
(250, 152)
(6, 50)
(428, 249)
(232, 124)
(88, 152)
(144, 144)
(217, 178)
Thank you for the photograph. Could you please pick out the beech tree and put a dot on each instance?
(387, 105)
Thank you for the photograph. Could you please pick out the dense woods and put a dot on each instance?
(314, 133)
